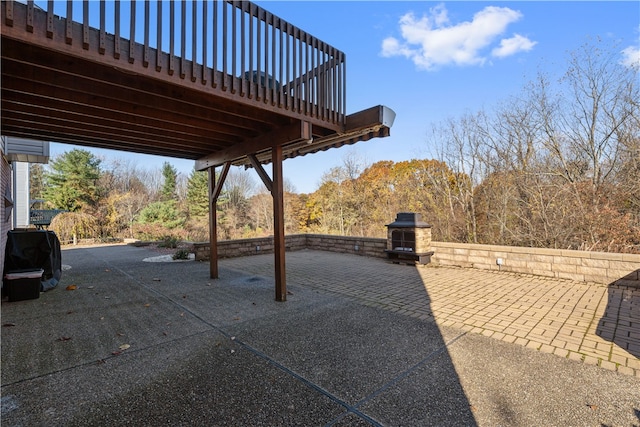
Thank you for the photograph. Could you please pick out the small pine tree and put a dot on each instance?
(169, 186)
(198, 194)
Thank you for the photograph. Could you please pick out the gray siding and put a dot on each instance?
(26, 150)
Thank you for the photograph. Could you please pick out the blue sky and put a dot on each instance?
(429, 61)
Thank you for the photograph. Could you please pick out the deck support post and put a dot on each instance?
(278, 224)
(213, 228)
(214, 192)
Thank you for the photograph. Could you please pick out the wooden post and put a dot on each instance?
(214, 192)
(278, 224)
(213, 225)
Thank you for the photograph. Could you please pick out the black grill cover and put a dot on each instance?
(32, 250)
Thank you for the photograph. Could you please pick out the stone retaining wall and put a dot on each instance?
(353, 245)
(599, 267)
(246, 247)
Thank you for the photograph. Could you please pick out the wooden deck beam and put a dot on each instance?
(299, 131)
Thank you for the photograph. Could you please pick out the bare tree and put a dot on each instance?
(261, 212)
(460, 144)
(583, 121)
(557, 166)
(238, 187)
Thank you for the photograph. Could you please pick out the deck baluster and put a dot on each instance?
(132, 32)
(145, 54)
(214, 80)
(243, 53)
(234, 48)
(183, 39)
(8, 10)
(258, 68)
(30, 7)
(224, 46)
(172, 35)
(264, 76)
(159, 35)
(194, 41)
(273, 60)
(85, 24)
(102, 46)
(251, 92)
(205, 40)
(49, 17)
(68, 33)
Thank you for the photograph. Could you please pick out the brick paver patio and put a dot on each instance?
(592, 323)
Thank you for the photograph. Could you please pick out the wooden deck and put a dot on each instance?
(194, 80)
(219, 82)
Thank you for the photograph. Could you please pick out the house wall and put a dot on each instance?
(21, 195)
(26, 150)
(5, 214)
(597, 267)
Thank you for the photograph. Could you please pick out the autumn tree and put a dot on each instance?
(72, 226)
(123, 196)
(378, 184)
(339, 207)
(295, 212)
(418, 185)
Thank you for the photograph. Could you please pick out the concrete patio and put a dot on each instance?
(359, 342)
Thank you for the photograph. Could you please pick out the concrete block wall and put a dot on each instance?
(244, 247)
(345, 244)
(247, 247)
(598, 267)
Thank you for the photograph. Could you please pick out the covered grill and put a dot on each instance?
(409, 239)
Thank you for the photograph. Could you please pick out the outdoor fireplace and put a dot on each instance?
(409, 239)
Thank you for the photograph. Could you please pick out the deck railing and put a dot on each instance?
(234, 46)
(42, 217)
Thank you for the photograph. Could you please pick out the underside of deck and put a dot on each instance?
(64, 83)
(249, 89)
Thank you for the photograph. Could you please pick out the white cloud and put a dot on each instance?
(432, 41)
(631, 57)
(511, 46)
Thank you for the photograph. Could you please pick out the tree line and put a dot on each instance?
(556, 165)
